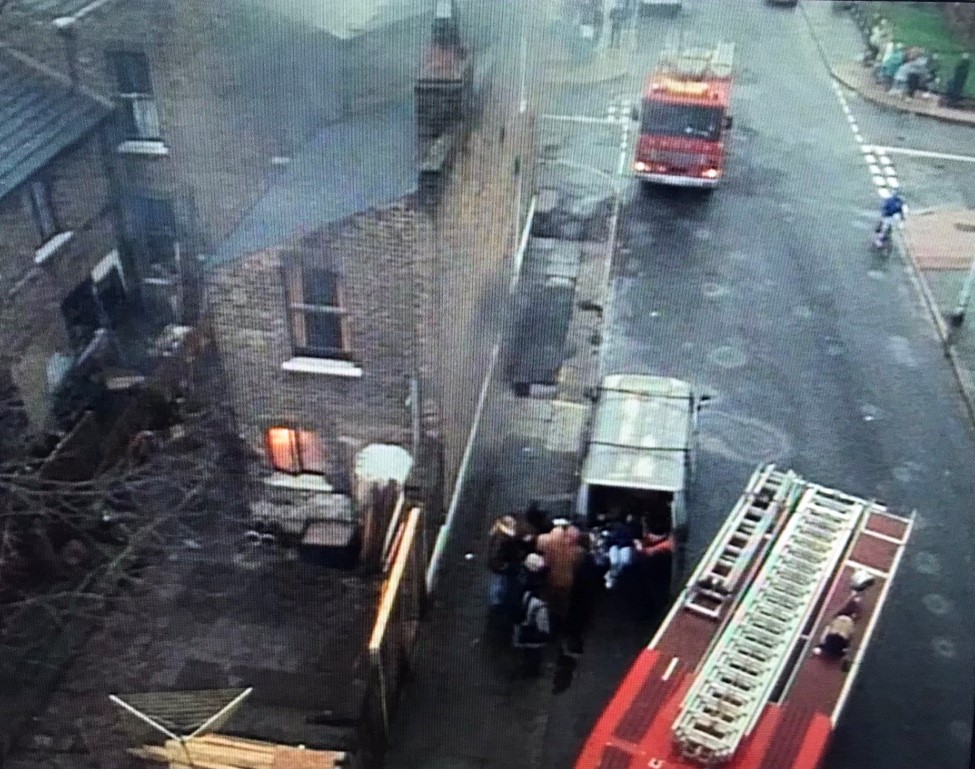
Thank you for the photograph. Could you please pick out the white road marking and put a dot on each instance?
(884, 179)
(925, 154)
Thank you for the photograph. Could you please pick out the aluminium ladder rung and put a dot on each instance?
(751, 650)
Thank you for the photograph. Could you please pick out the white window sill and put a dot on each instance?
(146, 147)
(52, 246)
(303, 482)
(323, 366)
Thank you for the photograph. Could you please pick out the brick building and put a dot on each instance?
(326, 343)
(63, 277)
(213, 96)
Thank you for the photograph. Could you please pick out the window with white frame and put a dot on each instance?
(317, 316)
(140, 118)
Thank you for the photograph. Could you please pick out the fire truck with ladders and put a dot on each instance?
(738, 676)
(684, 118)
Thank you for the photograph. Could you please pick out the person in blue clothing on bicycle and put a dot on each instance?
(891, 210)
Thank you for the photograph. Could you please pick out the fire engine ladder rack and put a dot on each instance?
(697, 62)
(742, 535)
(742, 667)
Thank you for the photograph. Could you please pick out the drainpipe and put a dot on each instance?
(65, 26)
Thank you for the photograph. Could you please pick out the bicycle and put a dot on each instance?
(883, 241)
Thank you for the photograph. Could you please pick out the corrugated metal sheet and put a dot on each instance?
(641, 432)
(39, 117)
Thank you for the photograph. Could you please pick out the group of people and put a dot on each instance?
(543, 572)
(909, 71)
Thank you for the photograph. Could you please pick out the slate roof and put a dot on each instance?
(39, 117)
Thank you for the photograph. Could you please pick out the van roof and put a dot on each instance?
(641, 431)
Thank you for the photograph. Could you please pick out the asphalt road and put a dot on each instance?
(820, 358)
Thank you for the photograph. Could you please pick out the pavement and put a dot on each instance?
(938, 242)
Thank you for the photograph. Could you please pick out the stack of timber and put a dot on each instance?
(214, 751)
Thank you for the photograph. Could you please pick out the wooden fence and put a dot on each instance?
(394, 635)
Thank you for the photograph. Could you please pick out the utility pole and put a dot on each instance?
(957, 317)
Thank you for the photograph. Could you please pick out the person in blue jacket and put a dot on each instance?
(622, 538)
(891, 210)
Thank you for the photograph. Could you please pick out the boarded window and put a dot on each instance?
(295, 451)
(316, 309)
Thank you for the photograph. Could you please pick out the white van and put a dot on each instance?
(640, 453)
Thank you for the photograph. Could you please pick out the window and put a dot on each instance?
(82, 314)
(686, 120)
(42, 205)
(295, 451)
(151, 222)
(316, 311)
(140, 119)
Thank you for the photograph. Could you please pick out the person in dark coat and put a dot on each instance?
(956, 85)
(507, 547)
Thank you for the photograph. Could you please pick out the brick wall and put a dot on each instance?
(380, 255)
(236, 85)
(32, 327)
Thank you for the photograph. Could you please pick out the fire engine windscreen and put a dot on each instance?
(686, 120)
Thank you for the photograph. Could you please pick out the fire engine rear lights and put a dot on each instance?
(710, 173)
(640, 166)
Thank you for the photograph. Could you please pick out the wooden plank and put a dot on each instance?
(241, 757)
(234, 742)
(295, 758)
(391, 589)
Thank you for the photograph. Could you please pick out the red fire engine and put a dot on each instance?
(684, 118)
(756, 659)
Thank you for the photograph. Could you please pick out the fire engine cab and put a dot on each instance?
(684, 117)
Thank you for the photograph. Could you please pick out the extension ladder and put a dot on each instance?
(735, 545)
(737, 676)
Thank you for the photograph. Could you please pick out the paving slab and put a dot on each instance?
(943, 239)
